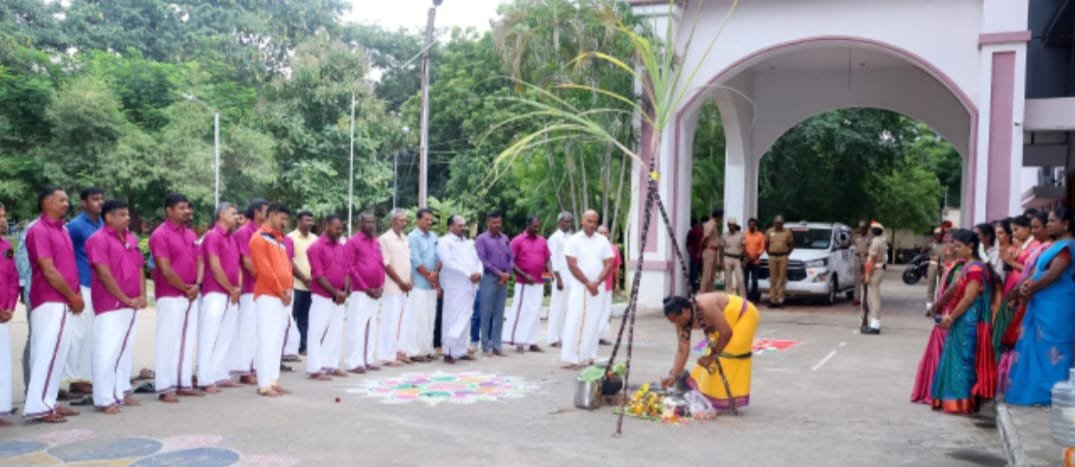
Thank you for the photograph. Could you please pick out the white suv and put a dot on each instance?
(822, 263)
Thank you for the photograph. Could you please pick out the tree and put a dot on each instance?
(309, 115)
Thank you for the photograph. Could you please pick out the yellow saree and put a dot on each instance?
(736, 359)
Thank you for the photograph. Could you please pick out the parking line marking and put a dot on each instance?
(843, 344)
(823, 360)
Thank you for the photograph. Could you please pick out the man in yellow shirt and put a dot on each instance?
(302, 238)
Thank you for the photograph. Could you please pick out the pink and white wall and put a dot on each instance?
(957, 65)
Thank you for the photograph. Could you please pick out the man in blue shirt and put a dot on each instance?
(78, 369)
(423, 297)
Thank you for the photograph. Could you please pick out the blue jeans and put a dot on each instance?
(493, 297)
(476, 321)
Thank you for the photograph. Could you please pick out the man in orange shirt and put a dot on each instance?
(755, 241)
(272, 296)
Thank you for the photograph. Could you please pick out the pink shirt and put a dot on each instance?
(327, 260)
(617, 261)
(9, 276)
(365, 264)
(242, 240)
(124, 261)
(48, 239)
(220, 242)
(176, 243)
(531, 254)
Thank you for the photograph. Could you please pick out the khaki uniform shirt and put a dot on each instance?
(779, 241)
(862, 245)
(733, 243)
(878, 250)
(937, 252)
(710, 236)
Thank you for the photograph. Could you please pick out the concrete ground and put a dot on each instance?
(836, 398)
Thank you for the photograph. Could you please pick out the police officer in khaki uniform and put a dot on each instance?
(711, 259)
(936, 260)
(875, 274)
(779, 242)
(861, 241)
(733, 245)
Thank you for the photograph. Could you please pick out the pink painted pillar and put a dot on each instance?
(1001, 125)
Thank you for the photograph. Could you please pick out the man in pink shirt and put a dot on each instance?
(118, 289)
(222, 287)
(365, 267)
(176, 282)
(9, 297)
(531, 262)
(328, 271)
(612, 286)
(245, 342)
(54, 292)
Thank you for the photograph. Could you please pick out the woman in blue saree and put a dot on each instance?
(966, 373)
(1043, 353)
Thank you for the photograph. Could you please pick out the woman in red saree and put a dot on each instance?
(927, 365)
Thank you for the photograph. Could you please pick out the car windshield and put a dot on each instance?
(812, 239)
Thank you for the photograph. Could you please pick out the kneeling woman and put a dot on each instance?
(729, 323)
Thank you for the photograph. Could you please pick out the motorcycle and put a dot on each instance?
(916, 270)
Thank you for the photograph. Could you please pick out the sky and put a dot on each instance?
(411, 14)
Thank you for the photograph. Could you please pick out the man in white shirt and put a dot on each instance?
(589, 260)
(561, 277)
(461, 270)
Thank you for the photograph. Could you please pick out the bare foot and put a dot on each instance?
(131, 401)
(248, 380)
(190, 392)
(358, 370)
(228, 384)
(570, 367)
(268, 392)
(373, 368)
(169, 398)
(554, 344)
(110, 410)
(338, 373)
(52, 418)
(320, 377)
(65, 411)
(535, 348)
(393, 364)
(280, 390)
(211, 389)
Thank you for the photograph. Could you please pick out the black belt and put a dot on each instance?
(726, 255)
(778, 254)
(742, 356)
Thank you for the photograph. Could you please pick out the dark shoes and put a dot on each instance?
(870, 331)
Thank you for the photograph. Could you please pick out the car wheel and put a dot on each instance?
(830, 297)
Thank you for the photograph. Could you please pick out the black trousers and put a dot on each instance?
(301, 312)
(437, 325)
(750, 276)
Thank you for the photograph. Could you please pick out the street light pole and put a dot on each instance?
(351, 174)
(423, 150)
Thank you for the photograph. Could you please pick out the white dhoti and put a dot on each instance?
(78, 366)
(557, 312)
(291, 335)
(272, 321)
(581, 325)
(392, 320)
(217, 320)
(455, 320)
(524, 315)
(6, 383)
(323, 335)
(360, 331)
(177, 321)
(49, 343)
(422, 317)
(606, 312)
(113, 334)
(244, 344)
